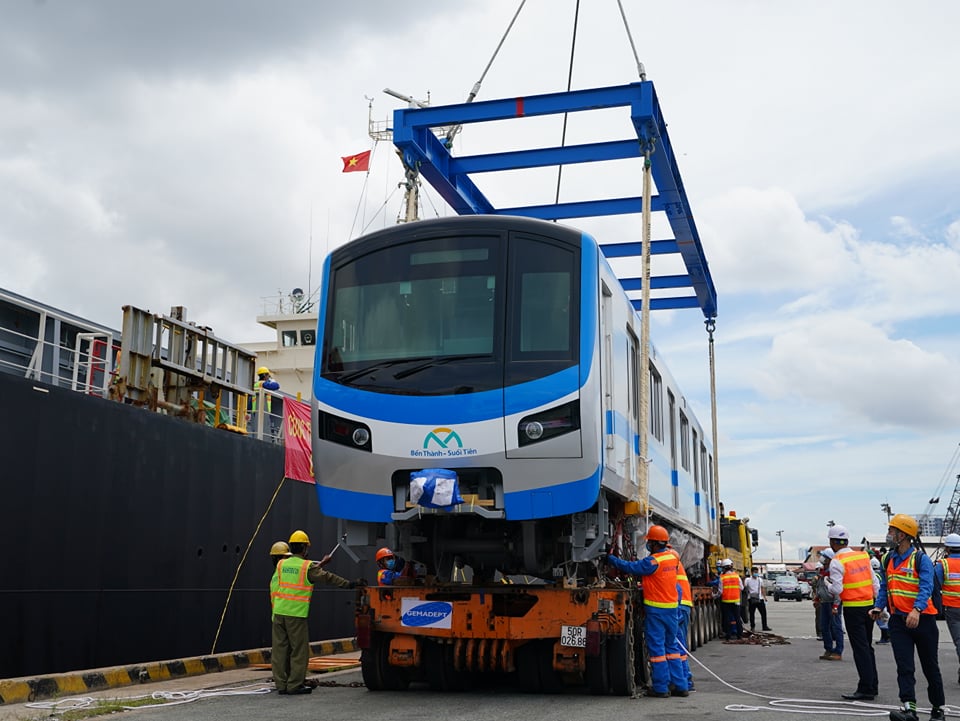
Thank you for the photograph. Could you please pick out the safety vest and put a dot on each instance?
(293, 589)
(686, 598)
(903, 585)
(951, 582)
(274, 587)
(268, 399)
(660, 587)
(730, 584)
(857, 578)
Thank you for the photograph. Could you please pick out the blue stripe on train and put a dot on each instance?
(555, 500)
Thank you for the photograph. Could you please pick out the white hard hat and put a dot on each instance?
(839, 533)
(827, 553)
(875, 563)
(726, 562)
(952, 540)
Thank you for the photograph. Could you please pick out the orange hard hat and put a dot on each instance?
(657, 533)
(384, 553)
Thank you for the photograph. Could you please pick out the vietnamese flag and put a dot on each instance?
(360, 161)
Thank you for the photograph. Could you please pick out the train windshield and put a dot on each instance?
(432, 317)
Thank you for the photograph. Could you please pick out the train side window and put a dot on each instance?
(656, 404)
(684, 442)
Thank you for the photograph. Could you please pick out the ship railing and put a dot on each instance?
(85, 367)
(265, 417)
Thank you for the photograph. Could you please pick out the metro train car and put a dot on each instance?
(501, 352)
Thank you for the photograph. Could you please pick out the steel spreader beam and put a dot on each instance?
(452, 177)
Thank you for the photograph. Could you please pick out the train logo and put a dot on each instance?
(432, 614)
(444, 442)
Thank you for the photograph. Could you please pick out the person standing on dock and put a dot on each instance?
(731, 587)
(947, 572)
(755, 598)
(831, 620)
(906, 590)
(294, 579)
(661, 596)
(852, 581)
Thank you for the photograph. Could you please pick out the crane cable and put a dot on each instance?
(563, 134)
(452, 132)
(641, 71)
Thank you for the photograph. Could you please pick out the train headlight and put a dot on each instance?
(548, 424)
(345, 431)
(534, 430)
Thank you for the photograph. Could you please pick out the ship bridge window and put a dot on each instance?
(288, 338)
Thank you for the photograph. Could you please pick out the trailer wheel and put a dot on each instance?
(693, 630)
(370, 665)
(535, 668)
(440, 671)
(378, 674)
(598, 673)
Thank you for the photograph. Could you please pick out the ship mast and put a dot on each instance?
(382, 130)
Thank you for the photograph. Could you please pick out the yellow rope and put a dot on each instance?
(233, 583)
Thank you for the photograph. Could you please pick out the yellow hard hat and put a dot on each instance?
(279, 549)
(263, 370)
(299, 537)
(905, 523)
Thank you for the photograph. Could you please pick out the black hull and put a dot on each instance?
(122, 531)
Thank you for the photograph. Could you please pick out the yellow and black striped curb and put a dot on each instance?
(23, 690)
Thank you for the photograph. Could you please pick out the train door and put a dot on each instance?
(607, 379)
(672, 403)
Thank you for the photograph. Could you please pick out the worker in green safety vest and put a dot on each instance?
(291, 589)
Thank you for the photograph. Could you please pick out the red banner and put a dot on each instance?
(298, 458)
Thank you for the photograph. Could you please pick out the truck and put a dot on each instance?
(487, 404)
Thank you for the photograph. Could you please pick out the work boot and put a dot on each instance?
(937, 715)
(658, 694)
(825, 656)
(678, 692)
(903, 714)
(307, 689)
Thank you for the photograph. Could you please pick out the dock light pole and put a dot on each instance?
(780, 534)
(885, 507)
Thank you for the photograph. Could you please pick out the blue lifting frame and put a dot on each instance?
(451, 176)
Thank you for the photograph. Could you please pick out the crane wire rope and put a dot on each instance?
(563, 133)
(454, 130)
(641, 71)
(233, 583)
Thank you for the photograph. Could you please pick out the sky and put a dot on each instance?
(182, 153)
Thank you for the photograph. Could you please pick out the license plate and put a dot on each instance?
(575, 636)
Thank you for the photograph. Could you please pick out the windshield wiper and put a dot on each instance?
(380, 365)
(436, 362)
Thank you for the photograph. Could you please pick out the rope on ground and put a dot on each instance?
(811, 705)
(168, 698)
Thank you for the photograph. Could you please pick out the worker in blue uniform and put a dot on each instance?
(661, 597)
